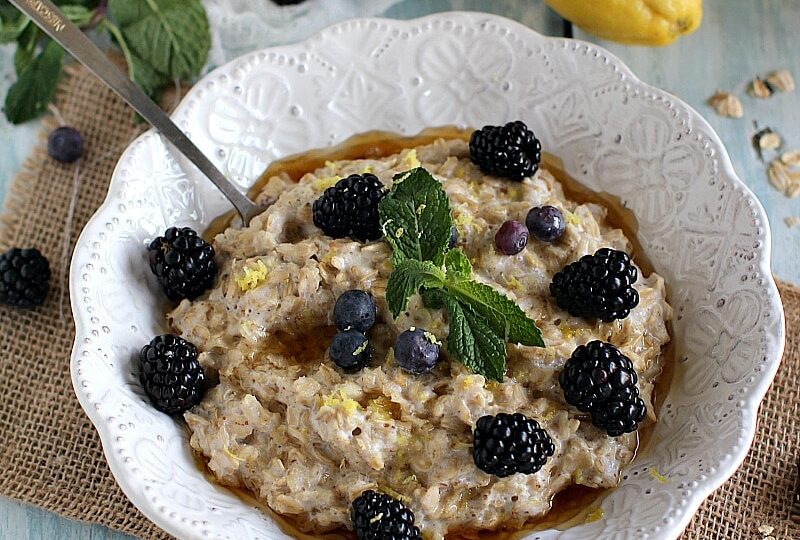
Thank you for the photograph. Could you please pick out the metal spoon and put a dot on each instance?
(53, 22)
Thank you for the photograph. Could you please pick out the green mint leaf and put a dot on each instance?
(504, 316)
(29, 96)
(77, 14)
(457, 265)
(139, 71)
(12, 25)
(407, 279)
(26, 48)
(170, 36)
(471, 340)
(415, 217)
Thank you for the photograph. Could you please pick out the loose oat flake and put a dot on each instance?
(759, 88)
(791, 221)
(765, 529)
(781, 80)
(779, 176)
(766, 139)
(726, 104)
(791, 158)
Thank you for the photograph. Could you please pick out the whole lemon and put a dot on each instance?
(640, 22)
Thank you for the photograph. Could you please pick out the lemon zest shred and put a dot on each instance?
(346, 404)
(410, 479)
(410, 160)
(252, 277)
(595, 515)
(572, 218)
(513, 283)
(326, 182)
(658, 476)
(393, 493)
(230, 454)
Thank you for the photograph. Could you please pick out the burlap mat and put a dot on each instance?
(50, 454)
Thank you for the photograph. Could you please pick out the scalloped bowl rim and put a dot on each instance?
(753, 398)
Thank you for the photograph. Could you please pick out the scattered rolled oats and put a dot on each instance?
(726, 104)
(779, 176)
(781, 80)
(791, 158)
(791, 221)
(759, 88)
(766, 139)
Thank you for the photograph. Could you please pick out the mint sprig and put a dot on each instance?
(163, 41)
(415, 217)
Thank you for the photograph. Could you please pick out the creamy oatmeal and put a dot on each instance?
(307, 439)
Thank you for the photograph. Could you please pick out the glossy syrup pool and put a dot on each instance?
(572, 505)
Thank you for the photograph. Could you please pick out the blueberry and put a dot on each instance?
(546, 223)
(354, 309)
(350, 350)
(65, 144)
(511, 238)
(453, 237)
(416, 351)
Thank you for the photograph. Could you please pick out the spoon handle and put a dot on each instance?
(53, 22)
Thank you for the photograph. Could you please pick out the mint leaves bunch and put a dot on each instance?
(163, 41)
(416, 221)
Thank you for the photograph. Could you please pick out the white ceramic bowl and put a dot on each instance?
(702, 228)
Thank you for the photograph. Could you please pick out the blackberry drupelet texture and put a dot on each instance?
(376, 516)
(350, 208)
(598, 379)
(183, 263)
(597, 286)
(170, 374)
(507, 444)
(511, 151)
(24, 278)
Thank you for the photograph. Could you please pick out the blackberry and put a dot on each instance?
(183, 263)
(65, 144)
(350, 208)
(507, 444)
(354, 309)
(511, 151)
(597, 286)
(24, 278)
(170, 374)
(416, 351)
(377, 516)
(598, 379)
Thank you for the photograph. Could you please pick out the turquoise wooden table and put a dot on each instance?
(737, 40)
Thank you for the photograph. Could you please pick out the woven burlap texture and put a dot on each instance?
(50, 455)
